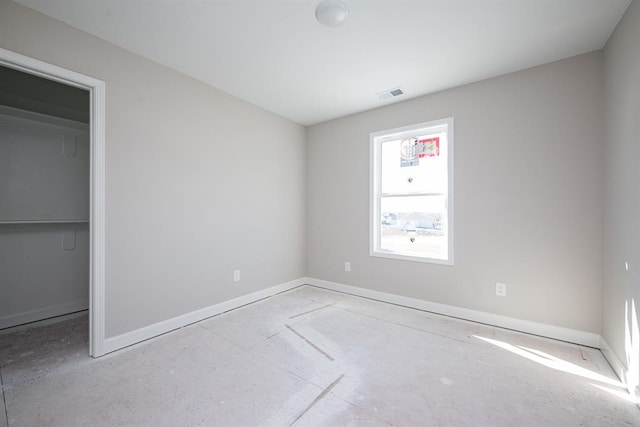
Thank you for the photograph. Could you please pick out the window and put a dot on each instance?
(411, 192)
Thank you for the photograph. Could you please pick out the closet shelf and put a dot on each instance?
(43, 221)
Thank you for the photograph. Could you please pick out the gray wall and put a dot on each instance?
(621, 254)
(198, 183)
(527, 191)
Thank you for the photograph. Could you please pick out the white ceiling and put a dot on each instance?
(273, 53)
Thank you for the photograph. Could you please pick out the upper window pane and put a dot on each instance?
(414, 165)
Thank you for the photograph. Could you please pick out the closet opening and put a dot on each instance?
(51, 203)
(44, 211)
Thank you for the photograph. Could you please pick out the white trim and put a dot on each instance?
(42, 313)
(96, 90)
(618, 366)
(129, 338)
(97, 311)
(535, 328)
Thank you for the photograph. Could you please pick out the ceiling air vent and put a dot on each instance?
(390, 93)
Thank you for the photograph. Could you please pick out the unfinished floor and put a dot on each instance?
(310, 357)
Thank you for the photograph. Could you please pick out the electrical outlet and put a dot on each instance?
(501, 289)
(347, 266)
(236, 275)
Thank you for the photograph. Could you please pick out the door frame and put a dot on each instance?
(97, 102)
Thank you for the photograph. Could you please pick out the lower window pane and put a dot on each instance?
(414, 226)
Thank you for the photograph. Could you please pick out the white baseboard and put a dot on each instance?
(618, 366)
(555, 332)
(42, 313)
(549, 331)
(129, 338)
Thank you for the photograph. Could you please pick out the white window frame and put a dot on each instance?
(375, 183)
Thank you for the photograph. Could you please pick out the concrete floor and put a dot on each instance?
(310, 357)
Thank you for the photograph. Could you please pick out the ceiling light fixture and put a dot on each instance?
(331, 12)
